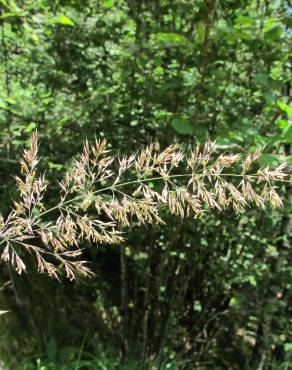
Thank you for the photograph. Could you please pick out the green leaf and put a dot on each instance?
(61, 19)
(284, 107)
(171, 38)
(244, 20)
(8, 15)
(272, 251)
(252, 280)
(242, 35)
(30, 127)
(233, 302)
(182, 126)
(283, 123)
(262, 79)
(14, 10)
(108, 4)
(3, 104)
(197, 306)
(200, 33)
(52, 350)
(287, 133)
(274, 33)
(268, 159)
(288, 347)
(55, 166)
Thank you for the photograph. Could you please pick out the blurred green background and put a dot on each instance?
(204, 294)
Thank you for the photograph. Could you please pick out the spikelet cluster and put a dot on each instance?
(102, 194)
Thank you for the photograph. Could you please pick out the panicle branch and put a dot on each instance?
(102, 193)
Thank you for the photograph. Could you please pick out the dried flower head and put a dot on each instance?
(97, 201)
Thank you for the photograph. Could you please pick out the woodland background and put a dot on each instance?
(200, 294)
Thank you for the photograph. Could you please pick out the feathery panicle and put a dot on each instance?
(94, 206)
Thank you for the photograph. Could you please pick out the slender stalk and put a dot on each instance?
(124, 300)
(138, 181)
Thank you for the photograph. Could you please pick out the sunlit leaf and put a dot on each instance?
(284, 107)
(2, 312)
(61, 19)
(171, 39)
(244, 20)
(108, 4)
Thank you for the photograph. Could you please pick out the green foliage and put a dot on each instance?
(216, 292)
(182, 126)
